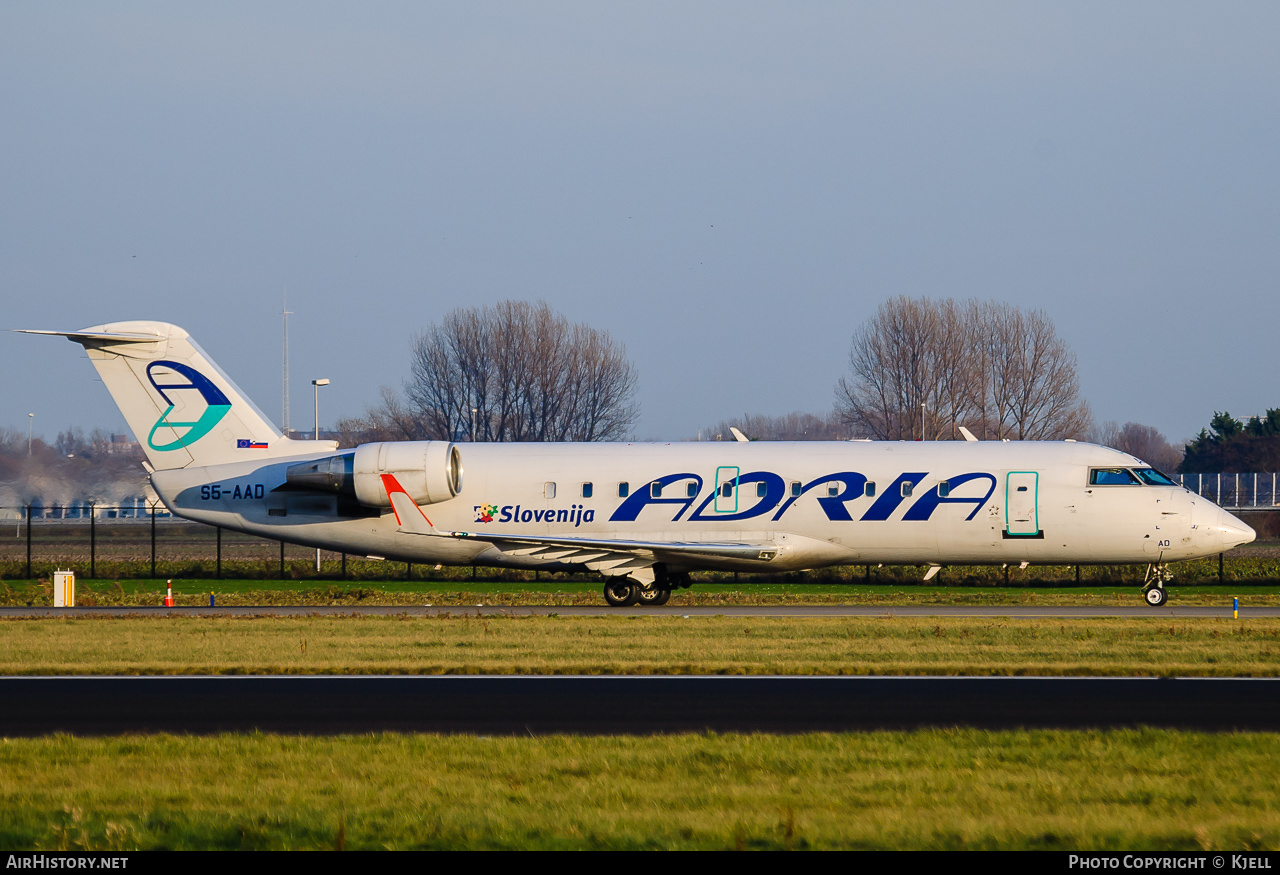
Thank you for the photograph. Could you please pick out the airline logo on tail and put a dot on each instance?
(197, 415)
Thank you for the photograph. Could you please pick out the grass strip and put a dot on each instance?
(471, 644)
(187, 592)
(1238, 567)
(1132, 790)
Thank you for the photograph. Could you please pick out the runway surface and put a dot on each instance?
(1010, 611)
(623, 705)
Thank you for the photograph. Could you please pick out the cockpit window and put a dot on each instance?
(1152, 477)
(1128, 477)
(1112, 477)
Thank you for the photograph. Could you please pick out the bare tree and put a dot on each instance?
(892, 371)
(389, 421)
(1143, 441)
(512, 372)
(920, 369)
(1031, 390)
(797, 426)
(913, 377)
(100, 468)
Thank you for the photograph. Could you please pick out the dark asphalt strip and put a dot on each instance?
(594, 705)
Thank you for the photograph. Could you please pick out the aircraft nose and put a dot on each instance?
(1232, 531)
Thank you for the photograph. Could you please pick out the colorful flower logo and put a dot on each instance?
(485, 512)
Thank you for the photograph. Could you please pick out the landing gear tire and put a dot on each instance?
(621, 593)
(654, 598)
(1153, 584)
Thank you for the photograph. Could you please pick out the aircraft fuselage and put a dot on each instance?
(820, 503)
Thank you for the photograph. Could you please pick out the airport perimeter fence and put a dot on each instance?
(130, 543)
(138, 543)
(1251, 491)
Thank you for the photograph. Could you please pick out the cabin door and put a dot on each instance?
(1021, 514)
(726, 489)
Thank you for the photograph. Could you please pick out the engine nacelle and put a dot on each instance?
(429, 471)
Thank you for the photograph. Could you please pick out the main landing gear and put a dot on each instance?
(621, 592)
(653, 597)
(1153, 585)
(625, 592)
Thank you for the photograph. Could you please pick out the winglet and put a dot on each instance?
(737, 435)
(968, 435)
(409, 517)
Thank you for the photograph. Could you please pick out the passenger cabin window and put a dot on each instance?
(906, 488)
(1112, 477)
(586, 490)
(833, 489)
(870, 489)
(944, 488)
(655, 489)
(762, 489)
(624, 489)
(691, 489)
(795, 488)
(548, 490)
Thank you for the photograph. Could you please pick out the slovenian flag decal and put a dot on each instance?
(250, 445)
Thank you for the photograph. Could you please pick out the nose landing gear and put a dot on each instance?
(1153, 584)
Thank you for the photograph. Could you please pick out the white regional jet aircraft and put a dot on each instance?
(643, 515)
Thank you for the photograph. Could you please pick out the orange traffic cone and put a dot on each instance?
(168, 599)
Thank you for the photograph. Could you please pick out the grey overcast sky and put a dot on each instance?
(728, 188)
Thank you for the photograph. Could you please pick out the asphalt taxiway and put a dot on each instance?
(1009, 611)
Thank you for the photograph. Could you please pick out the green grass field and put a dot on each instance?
(939, 789)
(470, 644)
(1242, 567)
(588, 592)
(934, 790)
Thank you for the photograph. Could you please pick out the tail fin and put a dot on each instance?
(180, 405)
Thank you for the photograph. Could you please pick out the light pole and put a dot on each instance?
(31, 425)
(315, 391)
(315, 388)
(474, 411)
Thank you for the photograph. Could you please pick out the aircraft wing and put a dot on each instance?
(607, 556)
(617, 557)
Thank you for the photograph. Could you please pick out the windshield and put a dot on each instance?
(1112, 477)
(1128, 477)
(1153, 477)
